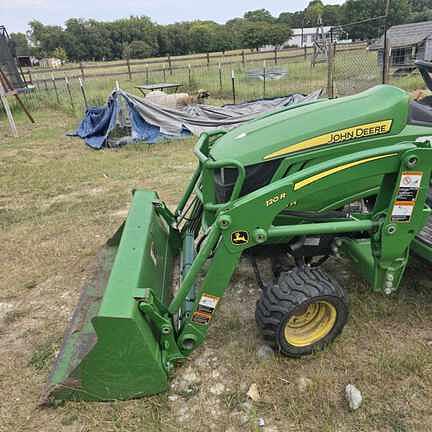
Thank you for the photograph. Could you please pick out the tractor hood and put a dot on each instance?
(380, 110)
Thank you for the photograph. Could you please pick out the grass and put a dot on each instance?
(60, 201)
(354, 71)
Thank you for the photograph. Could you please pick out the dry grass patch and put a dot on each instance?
(60, 201)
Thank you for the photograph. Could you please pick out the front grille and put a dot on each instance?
(257, 176)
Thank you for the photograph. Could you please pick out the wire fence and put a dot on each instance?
(346, 70)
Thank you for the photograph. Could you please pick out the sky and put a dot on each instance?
(15, 14)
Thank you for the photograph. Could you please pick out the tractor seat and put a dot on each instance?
(420, 112)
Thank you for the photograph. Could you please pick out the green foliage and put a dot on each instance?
(259, 15)
(137, 49)
(60, 53)
(313, 12)
(359, 10)
(20, 43)
(94, 40)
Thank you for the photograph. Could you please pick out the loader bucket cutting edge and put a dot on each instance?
(110, 350)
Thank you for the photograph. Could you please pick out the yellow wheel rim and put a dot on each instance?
(311, 325)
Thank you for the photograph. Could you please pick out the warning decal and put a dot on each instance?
(208, 303)
(402, 211)
(406, 198)
(201, 318)
(206, 307)
(409, 186)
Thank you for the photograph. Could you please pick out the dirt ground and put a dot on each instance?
(60, 201)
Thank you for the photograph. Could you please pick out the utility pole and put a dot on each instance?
(384, 71)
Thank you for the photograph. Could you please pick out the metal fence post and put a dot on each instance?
(233, 86)
(83, 92)
(264, 79)
(69, 91)
(220, 78)
(330, 70)
(386, 62)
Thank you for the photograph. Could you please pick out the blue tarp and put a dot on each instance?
(128, 118)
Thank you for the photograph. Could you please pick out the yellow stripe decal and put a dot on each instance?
(329, 172)
(361, 131)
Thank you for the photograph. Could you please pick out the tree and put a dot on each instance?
(137, 50)
(292, 19)
(331, 15)
(204, 36)
(278, 34)
(60, 53)
(20, 41)
(313, 11)
(46, 38)
(254, 35)
(259, 15)
(361, 10)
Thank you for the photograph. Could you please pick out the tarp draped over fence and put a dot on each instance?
(128, 118)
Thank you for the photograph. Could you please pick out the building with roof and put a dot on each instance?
(408, 42)
(305, 37)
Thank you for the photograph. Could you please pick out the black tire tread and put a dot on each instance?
(294, 287)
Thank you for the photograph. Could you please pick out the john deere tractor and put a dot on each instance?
(348, 176)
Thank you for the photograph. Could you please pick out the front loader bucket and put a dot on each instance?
(110, 351)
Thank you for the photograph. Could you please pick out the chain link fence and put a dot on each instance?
(348, 69)
(355, 70)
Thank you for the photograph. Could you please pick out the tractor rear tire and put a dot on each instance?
(303, 312)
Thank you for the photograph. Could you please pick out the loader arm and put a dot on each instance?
(382, 257)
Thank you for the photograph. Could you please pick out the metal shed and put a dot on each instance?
(408, 42)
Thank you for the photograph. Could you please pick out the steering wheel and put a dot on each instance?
(425, 68)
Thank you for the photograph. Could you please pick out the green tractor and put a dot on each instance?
(348, 176)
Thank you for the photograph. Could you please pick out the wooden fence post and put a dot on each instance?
(164, 73)
(208, 60)
(264, 79)
(275, 56)
(169, 64)
(129, 68)
(305, 52)
(147, 73)
(82, 70)
(190, 76)
(243, 58)
(55, 87)
(9, 115)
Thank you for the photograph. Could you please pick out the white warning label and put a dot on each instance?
(409, 186)
(402, 211)
(406, 197)
(208, 303)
